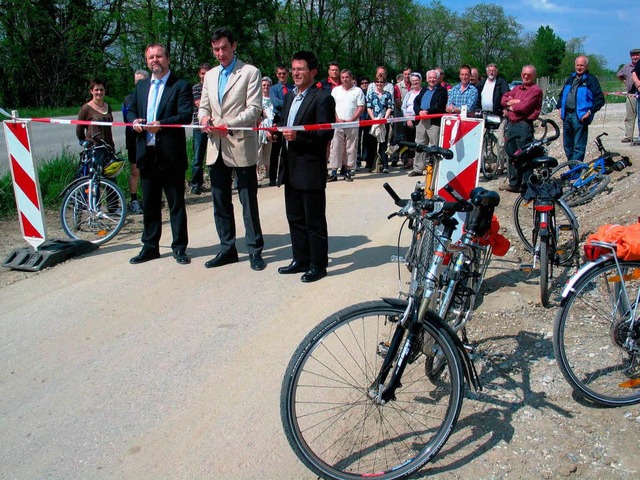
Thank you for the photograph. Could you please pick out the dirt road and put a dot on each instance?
(165, 371)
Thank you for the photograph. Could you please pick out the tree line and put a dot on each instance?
(49, 49)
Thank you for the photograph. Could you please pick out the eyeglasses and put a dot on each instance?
(364, 83)
(298, 70)
(379, 83)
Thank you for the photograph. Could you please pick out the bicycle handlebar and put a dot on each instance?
(428, 149)
(396, 199)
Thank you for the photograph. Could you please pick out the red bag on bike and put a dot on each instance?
(626, 238)
(499, 243)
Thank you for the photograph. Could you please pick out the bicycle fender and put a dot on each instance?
(572, 216)
(582, 271)
(73, 185)
(396, 302)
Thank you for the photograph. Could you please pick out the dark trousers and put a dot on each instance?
(306, 214)
(276, 148)
(223, 206)
(366, 147)
(517, 135)
(574, 137)
(153, 183)
(199, 151)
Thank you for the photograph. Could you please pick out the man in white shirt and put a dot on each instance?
(350, 103)
(491, 90)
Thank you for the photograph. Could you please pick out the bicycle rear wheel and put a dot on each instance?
(331, 422)
(545, 270)
(95, 216)
(590, 333)
(490, 157)
(585, 193)
(566, 232)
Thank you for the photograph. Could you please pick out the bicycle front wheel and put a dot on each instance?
(566, 232)
(591, 332)
(329, 416)
(585, 193)
(93, 211)
(490, 157)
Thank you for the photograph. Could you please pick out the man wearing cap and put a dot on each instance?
(625, 75)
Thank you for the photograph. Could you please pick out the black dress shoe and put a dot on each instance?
(293, 267)
(256, 262)
(222, 259)
(182, 258)
(314, 274)
(144, 256)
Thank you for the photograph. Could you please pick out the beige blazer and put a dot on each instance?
(241, 107)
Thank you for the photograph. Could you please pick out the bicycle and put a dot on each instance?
(596, 336)
(433, 156)
(355, 400)
(546, 225)
(492, 161)
(93, 206)
(549, 102)
(468, 263)
(583, 181)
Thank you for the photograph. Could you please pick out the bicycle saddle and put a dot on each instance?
(548, 162)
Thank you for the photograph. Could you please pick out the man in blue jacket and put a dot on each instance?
(580, 99)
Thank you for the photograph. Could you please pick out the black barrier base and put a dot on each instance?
(50, 253)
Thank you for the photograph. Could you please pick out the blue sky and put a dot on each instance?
(611, 27)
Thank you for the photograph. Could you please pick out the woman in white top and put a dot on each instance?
(408, 111)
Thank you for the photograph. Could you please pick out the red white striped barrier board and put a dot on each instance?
(25, 182)
(463, 136)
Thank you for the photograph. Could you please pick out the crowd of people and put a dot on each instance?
(235, 94)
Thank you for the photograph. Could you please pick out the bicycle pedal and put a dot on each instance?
(526, 267)
(470, 349)
(565, 228)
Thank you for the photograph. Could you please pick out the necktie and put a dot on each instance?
(284, 90)
(153, 101)
(152, 106)
(224, 76)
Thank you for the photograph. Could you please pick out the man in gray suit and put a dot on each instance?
(232, 97)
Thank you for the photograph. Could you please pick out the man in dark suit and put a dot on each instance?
(303, 169)
(161, 153)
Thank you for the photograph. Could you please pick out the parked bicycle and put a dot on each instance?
(492, 161)
(546, 225)
(93, 206)
(581, 182)
(550, 101)
(468, 260)
(596, 337)
(355, 399)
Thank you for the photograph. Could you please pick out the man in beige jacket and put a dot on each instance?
(231, 97)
